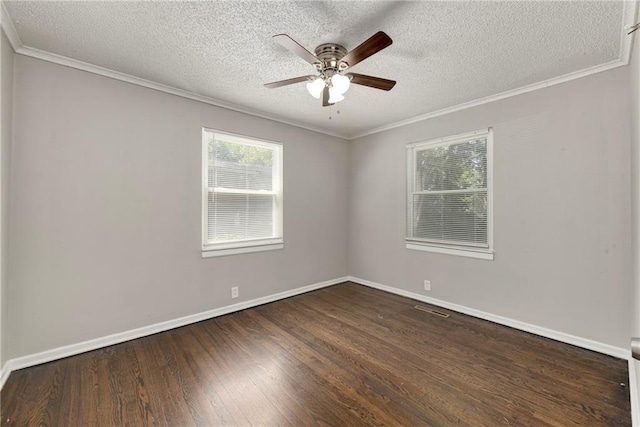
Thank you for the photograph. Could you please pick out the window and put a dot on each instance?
(241, 195)
(449, 195)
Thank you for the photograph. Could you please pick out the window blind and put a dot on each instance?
(243, 191)
(448, 200)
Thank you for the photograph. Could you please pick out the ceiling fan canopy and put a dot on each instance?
(331, 62)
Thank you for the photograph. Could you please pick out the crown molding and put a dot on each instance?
(9, 29)
(22, 49)
(95, 69)
(629, 13)
(507, 94)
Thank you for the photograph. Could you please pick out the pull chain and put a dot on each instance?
(633, 28)
(330, 111)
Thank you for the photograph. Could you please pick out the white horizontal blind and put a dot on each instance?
(243, 191)
(449, 192)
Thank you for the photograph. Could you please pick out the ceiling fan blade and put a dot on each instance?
(374, 82)
(295, 47)
(289, 81)
(325, 97)
(372, 45)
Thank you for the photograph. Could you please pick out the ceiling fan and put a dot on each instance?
(331, 61)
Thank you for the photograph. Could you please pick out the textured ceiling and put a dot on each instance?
(443, 53)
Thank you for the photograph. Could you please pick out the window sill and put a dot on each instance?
(469, 253)
(210, 253)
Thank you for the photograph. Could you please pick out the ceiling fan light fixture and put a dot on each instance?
(315, 87)
(330, 61)
(340, 83)
(334, 96)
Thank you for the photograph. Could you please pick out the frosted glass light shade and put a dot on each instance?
(315, 87)
(334, 96)
(340, 83)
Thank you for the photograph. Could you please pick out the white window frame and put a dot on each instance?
(249, 245)
(483, 252)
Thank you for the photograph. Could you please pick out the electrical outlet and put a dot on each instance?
(427, 285)
(234, 292)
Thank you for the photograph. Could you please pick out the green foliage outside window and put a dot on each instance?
(452, 181)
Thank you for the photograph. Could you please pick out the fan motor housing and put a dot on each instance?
(330, 54)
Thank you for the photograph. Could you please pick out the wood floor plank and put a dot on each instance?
(234, 372)
(140, 395)
(302, 383)
(342, 355)
(163, 407)
(266, 372)
(335, 402)
(399, 367)
(161, 377)
(454, 344)
(188, 355)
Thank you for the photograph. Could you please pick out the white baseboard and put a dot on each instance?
(634, 391)
(549, 333)
(73, 349)
(5, 370)
(82, 347)
(634, 386)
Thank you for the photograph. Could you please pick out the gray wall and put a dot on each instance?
(561, 210)
(6, 91)
(635, 185)
(105, 212)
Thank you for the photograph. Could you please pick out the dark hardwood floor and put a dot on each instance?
(340, 356)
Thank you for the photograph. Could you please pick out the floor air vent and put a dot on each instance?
(432, 311)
